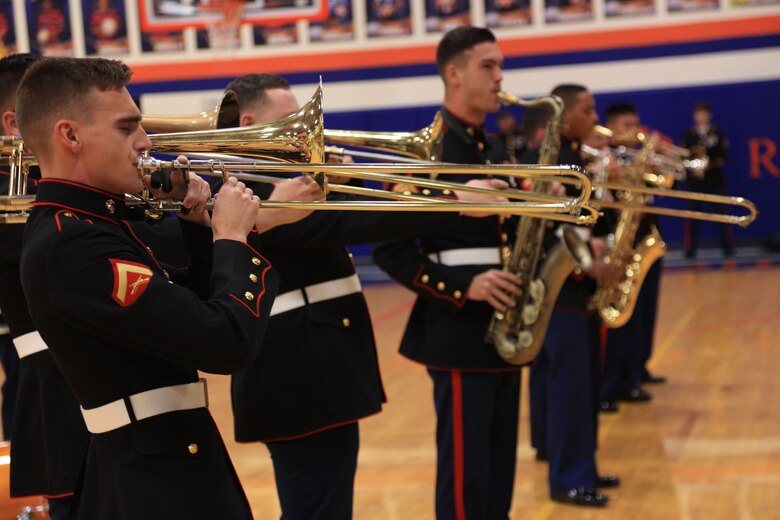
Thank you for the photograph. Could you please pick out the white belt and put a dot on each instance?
(146, 404)
(468, 256)
(29, 344)
(316, 293)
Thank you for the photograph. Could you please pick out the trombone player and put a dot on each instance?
(127, 339)
(306, 393)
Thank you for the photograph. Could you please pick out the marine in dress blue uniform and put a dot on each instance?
(48, 432)
(126, 335)
(317, 372)
(564, 380)
(476, 393)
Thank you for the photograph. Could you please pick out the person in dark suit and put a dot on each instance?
(628, 348)
(704, 139)
(48, 433)
(127, 337)
(564, 376)
(307, 391)
(459, 283)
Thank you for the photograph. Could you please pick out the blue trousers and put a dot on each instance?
(476, 438)
(648, 298)
(564, 391)
(629, 347)
(315, 475)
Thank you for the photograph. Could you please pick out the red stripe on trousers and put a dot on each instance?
(457, 439)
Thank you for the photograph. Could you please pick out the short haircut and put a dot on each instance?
(620, 109)
(535, 118)
(57, 88)
(12, 69)
(702, 106)
(250, 89)
(459, 40)
(505, 114)
(568, 92)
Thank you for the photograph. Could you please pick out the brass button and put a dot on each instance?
(426, 192)
(192, 448)
(446, 192)
(469, 130)
(440, 286)
(424, 278)
(110, 206)
(504, 237)
(407, 192)
(253, 278)
(166, 275)
(345, 322)
(480, 146)
(457, 295)
(249, 296)
(68, 214)
(256, 261)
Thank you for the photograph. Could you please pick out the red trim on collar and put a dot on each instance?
(74, 210)
(82, 186)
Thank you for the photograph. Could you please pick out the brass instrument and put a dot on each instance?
(615, 303)
(298, 141)
(518, 333)
(224, 115)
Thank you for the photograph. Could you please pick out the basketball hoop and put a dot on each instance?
(223, 30)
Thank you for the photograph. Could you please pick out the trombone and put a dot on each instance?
(532, 204)
(660, 186)
(296, 144)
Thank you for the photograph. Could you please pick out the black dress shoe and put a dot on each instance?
(607, 481)
(635, 395)
(653, 379)
(609, 406)
(580, 497)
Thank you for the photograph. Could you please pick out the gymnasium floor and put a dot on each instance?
(706, 447)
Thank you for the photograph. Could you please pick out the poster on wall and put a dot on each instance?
(48, 24)
(615, 8)
(173, 15)
(388, 17)
(507, 13)
(679, 6)
(743, 3)
(443, 15)
(285, 34)
(567, 10)
(7, 30)
(104, 26)
(171, 41)
(337, 27)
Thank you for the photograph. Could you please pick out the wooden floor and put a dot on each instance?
(706, 447)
